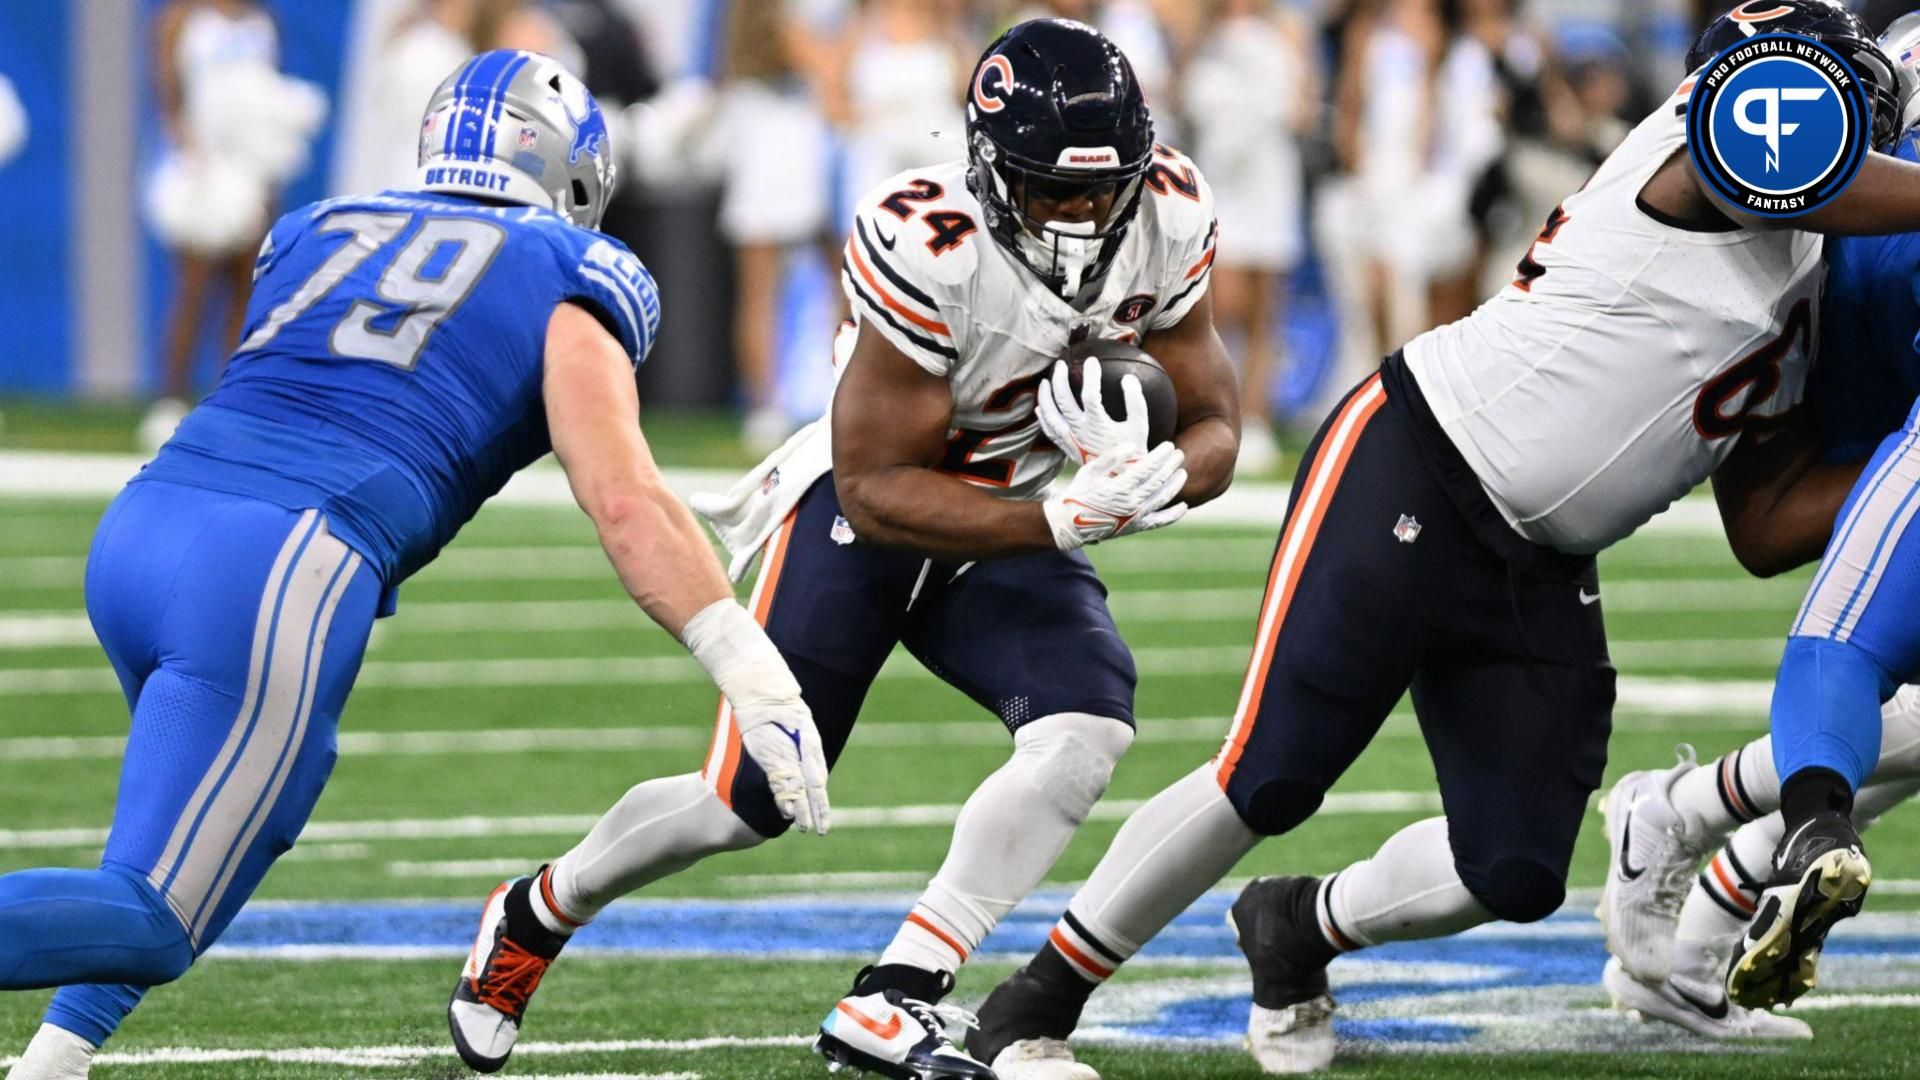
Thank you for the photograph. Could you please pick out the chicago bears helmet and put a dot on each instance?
(517, 126)
(1054, 112)
(1833, 26)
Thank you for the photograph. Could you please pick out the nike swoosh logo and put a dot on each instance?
(1790, 841)
(1627, 871)
(1589, 598)
(885, 1031)
(791, 733)
(885, 240)
(1716, 1011)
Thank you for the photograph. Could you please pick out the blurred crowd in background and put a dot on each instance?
(1378, 165)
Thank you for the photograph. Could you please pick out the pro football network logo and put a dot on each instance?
(1778, 124)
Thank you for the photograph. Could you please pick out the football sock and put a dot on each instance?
(1812, 791)
(542, 905)
(1723, 795)
(657, 828)
(1008, 835)
(1727, 891)
(55, 1053)
(93, 1011)
(59, 927)
(525, 926)
(1169, 852)
(1408, 890)
(1826, 715)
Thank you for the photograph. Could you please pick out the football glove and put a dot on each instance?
(1120, 492)
(776, 727)
(1082, 429)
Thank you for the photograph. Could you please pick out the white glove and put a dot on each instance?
(1120, 492)
(776, 727)
(1082, 429)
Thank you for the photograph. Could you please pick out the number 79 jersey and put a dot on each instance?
(920, 270)
(391, 367)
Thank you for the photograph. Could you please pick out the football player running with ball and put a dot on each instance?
(406, 353)
(919, 514)
(1440, 539)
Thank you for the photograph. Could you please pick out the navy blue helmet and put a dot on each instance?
(1833, 26)
(1054, 112)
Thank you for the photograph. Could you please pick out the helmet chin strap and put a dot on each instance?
(1071, 248)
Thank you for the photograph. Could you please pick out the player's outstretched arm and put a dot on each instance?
(1777, 499)
(663, 558)
(1208, 390)
(890, 423)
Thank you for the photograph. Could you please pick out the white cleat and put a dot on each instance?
(1041, 1059)
(1700, 1008)
(1296, 1039)
(1652, 866)
(54, 1054)
(896, 1036)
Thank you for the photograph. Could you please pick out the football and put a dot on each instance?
(1118, 359)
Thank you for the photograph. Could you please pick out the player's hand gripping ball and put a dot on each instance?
(1128, 400)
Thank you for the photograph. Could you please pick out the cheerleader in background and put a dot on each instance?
(236, 130)
(1250, 92)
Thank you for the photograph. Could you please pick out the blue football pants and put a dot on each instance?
(236, 628)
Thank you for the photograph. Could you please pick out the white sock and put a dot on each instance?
(658, 828)
(1009, 834)
(54, 1054)
(1724, 794)
(1407, 891)
(1177, 846)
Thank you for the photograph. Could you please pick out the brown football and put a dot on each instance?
(1119, 359)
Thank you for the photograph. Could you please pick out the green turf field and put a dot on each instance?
(517, 694)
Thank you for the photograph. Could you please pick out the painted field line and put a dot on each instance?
(379, 1056)
(852, 817)
(1856, 1001)
(529, 672)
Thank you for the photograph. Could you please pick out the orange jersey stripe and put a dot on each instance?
(1205, 261)
(911, 315)
(947, 939)
(1067, 950)
(1296, 543)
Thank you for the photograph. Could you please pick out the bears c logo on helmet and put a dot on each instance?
(990, 94)
(1742, 14)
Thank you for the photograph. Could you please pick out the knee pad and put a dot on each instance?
(1070, 758)
(1275, 806)
(1519, 890)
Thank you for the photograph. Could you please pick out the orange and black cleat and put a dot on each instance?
(508, 960)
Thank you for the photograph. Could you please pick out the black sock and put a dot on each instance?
(917, 983)
(1813, 791)
(1059, 977)
(525, 928)
(1313, 950)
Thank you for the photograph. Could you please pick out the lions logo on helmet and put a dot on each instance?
(463, 148)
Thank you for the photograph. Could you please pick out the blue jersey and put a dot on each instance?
(1868, 369)
(390, 373)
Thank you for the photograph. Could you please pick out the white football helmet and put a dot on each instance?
(517, 126)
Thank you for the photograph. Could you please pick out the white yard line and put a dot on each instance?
(409, 1054)
(844, 817)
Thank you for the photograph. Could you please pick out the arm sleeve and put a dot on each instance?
(610, 281)
(891, 291)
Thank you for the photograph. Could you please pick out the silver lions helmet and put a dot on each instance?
(517, 126)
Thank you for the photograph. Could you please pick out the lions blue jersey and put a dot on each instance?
(390, 373)
(1868, 369)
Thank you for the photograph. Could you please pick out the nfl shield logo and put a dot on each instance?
(842, 533)
(528, 137)
(1408, 530)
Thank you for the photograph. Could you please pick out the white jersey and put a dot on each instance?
(1617, 370)
(920, 270)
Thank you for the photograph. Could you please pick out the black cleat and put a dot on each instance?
(1820, 876)
(1025, 1022)
(1290, 1028)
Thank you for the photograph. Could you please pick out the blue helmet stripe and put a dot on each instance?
(459, 97)
(500, 101)
(474, 103)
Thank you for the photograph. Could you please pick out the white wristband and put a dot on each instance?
(1060, 521)
(737, 654)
